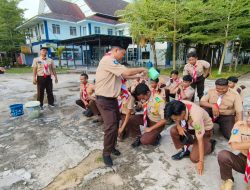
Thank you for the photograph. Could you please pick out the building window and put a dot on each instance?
(132, 54)
(84, 31)
(120, 32)
(73, 31)
(42, 29)
(56, 28)
(110, 31)
(97, 30)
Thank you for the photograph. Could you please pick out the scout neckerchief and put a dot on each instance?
(124, 92)
(180, 96)
(217, 105)
(84, 93)
(46, 71)
(145, 122)
(123, 95)
(194, 73)
(247, 171)
(184, 124)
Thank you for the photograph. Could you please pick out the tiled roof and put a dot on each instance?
(64, 10)
(106, 7)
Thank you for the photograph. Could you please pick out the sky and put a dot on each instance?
(32, 7)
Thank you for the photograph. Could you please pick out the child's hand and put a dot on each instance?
(34, 81)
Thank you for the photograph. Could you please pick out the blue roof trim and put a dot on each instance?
(44, 41)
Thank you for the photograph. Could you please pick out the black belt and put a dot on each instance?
(105, 98)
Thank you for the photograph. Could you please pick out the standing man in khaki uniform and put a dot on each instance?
(43, 68)
(228, 161)
(190, 120)
(109, 75)
(223, 105)
(198, 70)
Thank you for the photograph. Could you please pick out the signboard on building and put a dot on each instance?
(25, 49)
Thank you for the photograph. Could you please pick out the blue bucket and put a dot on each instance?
(16, 110)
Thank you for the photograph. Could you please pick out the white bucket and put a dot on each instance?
(33, 109)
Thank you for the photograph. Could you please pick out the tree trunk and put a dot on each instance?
(223, 57)
(174, 55)
(174, 38)
(231, 63)
(60, 62)
(236, 62)
(154, 53)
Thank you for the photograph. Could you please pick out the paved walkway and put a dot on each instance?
(34, 152)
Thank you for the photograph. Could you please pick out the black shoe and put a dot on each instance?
(89, 113)
(107, 161)
(84, 112)
(157, 141)
(136, 143)
(95, 121)
(116, 152)
(181, 154)
(213, 143)
(41, 107)
(52, 105)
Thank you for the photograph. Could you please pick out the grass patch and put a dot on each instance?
(22, 70)
(99, 159)
(241, 70)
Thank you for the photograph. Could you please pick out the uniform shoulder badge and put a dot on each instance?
(116, 62)
(235, 131)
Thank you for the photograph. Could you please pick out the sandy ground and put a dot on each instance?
(62, 148)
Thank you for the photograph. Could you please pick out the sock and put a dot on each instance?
(185, 148)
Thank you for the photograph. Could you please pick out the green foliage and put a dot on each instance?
(10, 17)
(189, 21)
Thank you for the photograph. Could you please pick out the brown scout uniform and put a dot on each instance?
(227, 160)
(44, 82)
(189, 93)
(199, 123)
(231, 105)
(201, 65)
(108, 88)
(91, 95)
(171, 86)
(155, 113)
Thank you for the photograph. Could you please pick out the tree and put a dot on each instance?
(59, 51)
(220, 22)
(10, 17)
(142, 18)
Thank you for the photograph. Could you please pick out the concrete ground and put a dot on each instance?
(62, 148)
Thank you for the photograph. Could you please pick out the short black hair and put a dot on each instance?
(174, 72)
(156, 80)
(187, 78)
(141, 89)
(233, 79)
(174, 108)
(85, 75)
(46, 48)
(221, 82)
(192, 54)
